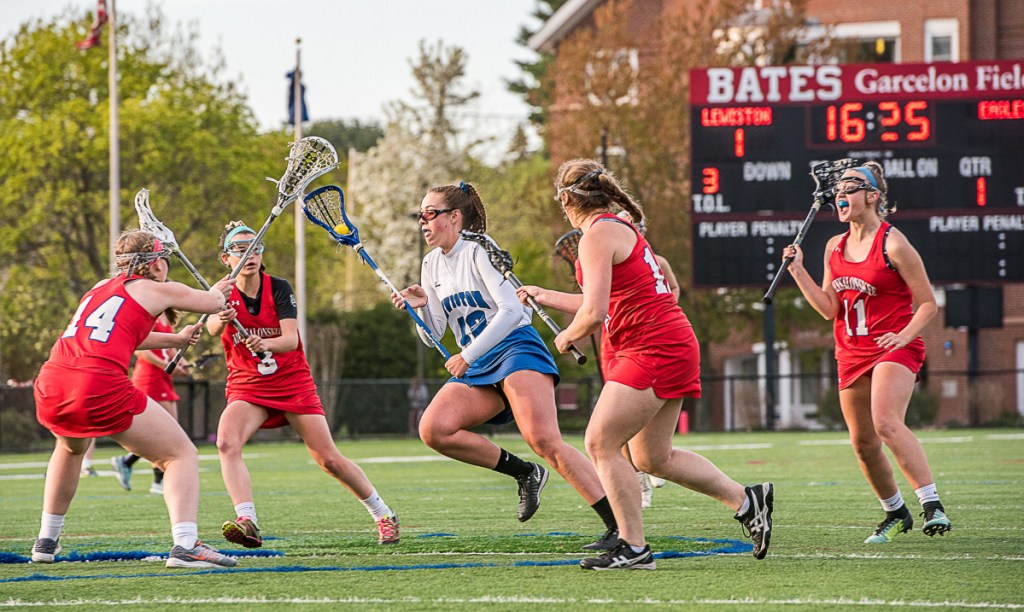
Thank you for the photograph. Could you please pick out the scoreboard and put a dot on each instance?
(949, 135)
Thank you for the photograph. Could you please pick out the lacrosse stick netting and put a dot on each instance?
(325, 208)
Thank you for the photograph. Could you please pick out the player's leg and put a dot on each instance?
(62, 475)
(157, 487)
(315, 432)
(156, 435)
(239, 421)
(531, 396)
(445, 426)
(892, 385)
(855, 402)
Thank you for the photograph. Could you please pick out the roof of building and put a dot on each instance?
(563, 21)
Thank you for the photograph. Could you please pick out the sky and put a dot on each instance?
(355, 53)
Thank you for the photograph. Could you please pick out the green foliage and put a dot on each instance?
(344, 134)
(535, 85)
(184, 134)
(380, 343)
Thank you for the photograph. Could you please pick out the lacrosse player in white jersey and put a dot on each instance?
(504, 372)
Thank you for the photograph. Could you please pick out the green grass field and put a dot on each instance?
(462, 547)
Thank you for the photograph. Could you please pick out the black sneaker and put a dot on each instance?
(621, 557)
(45, 550)
(530, 487)
(608, 541)
(935, 520)
(757, 521)
(895, 523)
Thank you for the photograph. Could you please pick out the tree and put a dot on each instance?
(535, 86)
(185, 134)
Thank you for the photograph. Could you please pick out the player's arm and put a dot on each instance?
(824, 298)
(670, 276)
(905, 258)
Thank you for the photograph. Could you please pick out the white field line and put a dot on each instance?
(100, 461)
(1013, 436)
(498, 599)
(846, 441)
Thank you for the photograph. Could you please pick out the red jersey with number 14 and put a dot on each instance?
(83, 389)
(873, 300)
(280, 382)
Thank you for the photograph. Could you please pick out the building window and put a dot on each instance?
(865, 42)
(611, 77)
(941, 40)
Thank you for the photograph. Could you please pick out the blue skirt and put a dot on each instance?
(522, 349)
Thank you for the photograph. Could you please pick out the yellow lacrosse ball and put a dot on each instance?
(340, 229)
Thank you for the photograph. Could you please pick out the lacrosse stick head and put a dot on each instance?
(568, 247)
(500, 259)
(308, 159)
(325, 207)
(149, 223)
(826, 177)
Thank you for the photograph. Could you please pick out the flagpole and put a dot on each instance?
(300, 225)
(115, 148)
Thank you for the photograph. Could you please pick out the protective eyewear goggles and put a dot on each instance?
(239, 247)
(853, 185)
(431, 213)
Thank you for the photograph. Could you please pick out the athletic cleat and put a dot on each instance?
(122, 472)
(45, 550)
(608, 541)
(935, 522)
(645, 489)
(157, 488)
(242, 531)
(530, 487)
(387, 530)
(621, 557)
(200, 556)
(90, 471)
(757, 521)
(891, 527)
(656, 482)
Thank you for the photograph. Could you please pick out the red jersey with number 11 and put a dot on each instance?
(873, 300)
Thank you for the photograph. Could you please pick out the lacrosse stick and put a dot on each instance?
(568, 248)
(149, 223)
(826, 177)
(502, 262)
(325, 207)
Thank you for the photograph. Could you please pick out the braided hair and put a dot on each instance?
(134, 255)
(465, 199)
(592, 189)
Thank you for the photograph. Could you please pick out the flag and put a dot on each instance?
(97, 26)
(291, 98)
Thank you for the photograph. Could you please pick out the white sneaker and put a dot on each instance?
(645, 489)
(157, 488)
(656, 482)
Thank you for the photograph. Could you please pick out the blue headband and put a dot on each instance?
(868, 175)
(464, 187)
(241, 229)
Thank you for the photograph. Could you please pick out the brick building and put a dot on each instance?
(986, 388)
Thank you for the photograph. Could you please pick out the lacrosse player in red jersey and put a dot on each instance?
(150, 378)
(654, 362)
(269, 385)
(873, 277)
(83, 392)
(504, 372)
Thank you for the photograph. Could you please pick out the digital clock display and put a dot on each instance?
(949, 135)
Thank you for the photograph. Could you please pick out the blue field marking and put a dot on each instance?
(725, 547)
(127, 555)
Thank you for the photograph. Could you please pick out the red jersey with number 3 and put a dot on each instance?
(83, 389)
(873, 300)
(280, 382)
(651, 339)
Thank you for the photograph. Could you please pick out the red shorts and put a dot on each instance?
(158, 386)
(86, 401)
(277, 403)
(911, 356)
(672, 370)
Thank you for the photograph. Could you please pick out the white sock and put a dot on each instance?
(893, 503)
(376, 506)
(746, 506)
(50, 526)
(927, 493)
(185, 535)
(86, 463)
(246, 509)
(637, 549)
